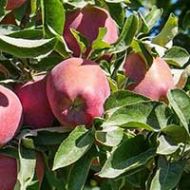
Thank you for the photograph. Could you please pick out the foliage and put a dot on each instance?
(138, 143)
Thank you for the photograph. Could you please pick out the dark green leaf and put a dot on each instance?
(78, 174)
(117, 12)
(176, 132)
(130, 155)
(186, 20)
(27, 34)
(167, 175)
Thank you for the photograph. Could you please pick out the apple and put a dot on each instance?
(11, 5)
(87, 21)
(76, 90)
(36, 109)
(14, 4)
(9, 19)
(8, 171)
(10, 115)
(153, 82)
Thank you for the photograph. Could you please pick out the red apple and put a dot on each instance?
(36, 109)
(153, 82)
(10, 115)
(14, 4)
(9, 19)
(8, 171)
(77, 90)
(87, 21)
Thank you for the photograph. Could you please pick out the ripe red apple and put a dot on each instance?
(10, 115)
(87, 21)
(36, 109)
(9, 19)
(8, 171)
(153, 82)
(14, 4)
(77, 90)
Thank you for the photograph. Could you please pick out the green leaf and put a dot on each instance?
(26, 173)
(177, 56)
(117, 12)
(53, 24)
(47, 63)
(53, 15)
(129, 29)
(26, 48)
(81, 40)
(6, 29)
(99, 43)
(129, 156)
(78, 175)
(180, 102)
(111, 137)
(167, 175)
(73, 147)
(2, 8)
(168, 32)
(152, 17)
(27, 34)
(186, 20)
(138, 179)
(165, 146)
(132, 116)
(141, 48)
(123, 98)
(118, 1)
(49, 138)
(177, 133)
(160, 116)
(79, 3)
(53, 180)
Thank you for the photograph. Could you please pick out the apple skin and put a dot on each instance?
(77, 90)
(36, 109)
(10, 115)
(9, 19)
(14, 4)
(87, 21)
(153, 82)
(8, 171)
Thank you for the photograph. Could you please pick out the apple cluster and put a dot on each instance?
(75, 90)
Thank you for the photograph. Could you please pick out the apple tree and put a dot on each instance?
(94, 95)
